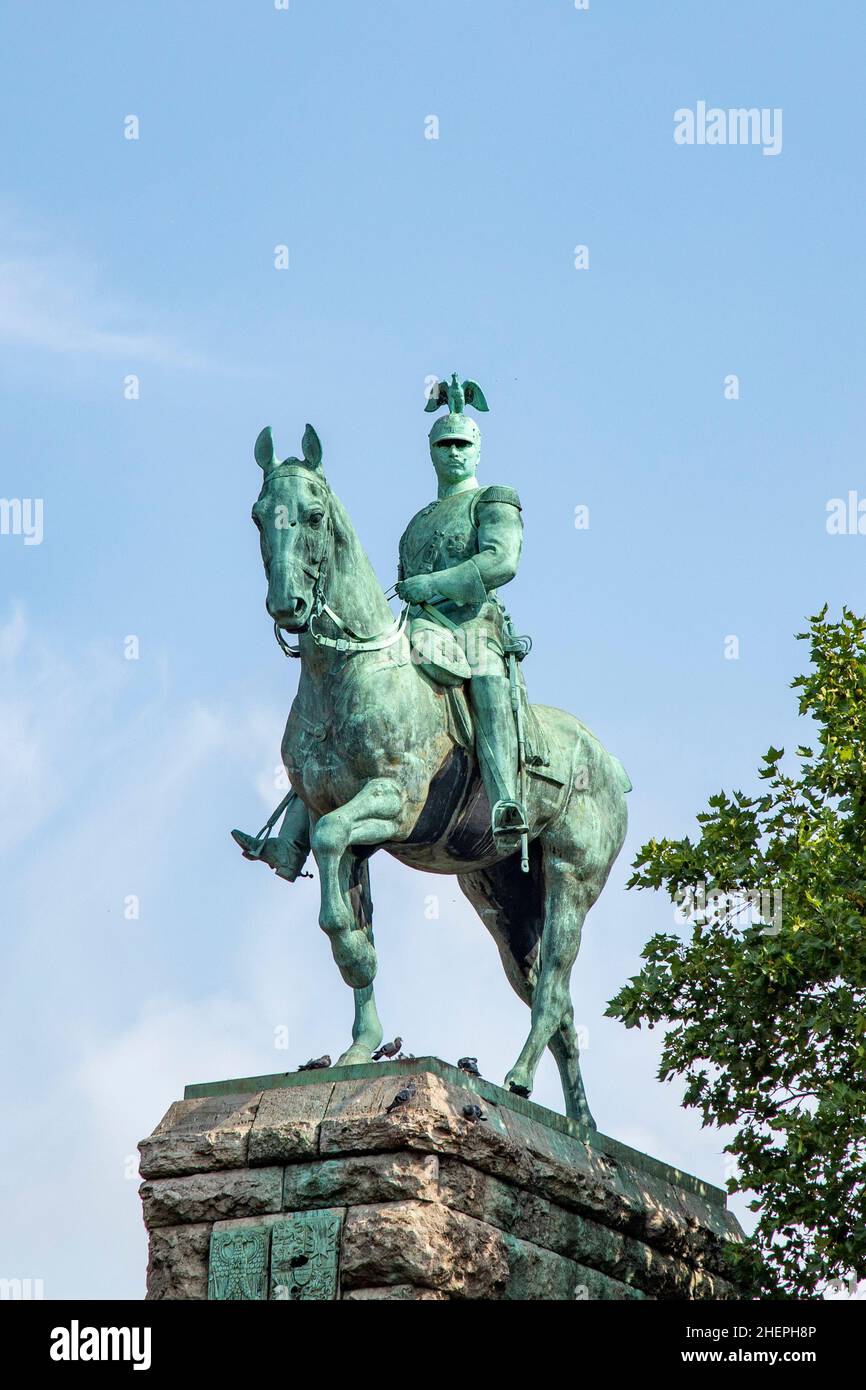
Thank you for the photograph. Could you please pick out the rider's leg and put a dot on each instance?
(287, 851)
(294, 836)
(496, 745)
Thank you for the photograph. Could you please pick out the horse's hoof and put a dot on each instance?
(517, 1084)
(355, 1056)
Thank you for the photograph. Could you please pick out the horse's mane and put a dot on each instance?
(361, 590)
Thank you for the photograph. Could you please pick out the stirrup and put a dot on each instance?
(504, 812)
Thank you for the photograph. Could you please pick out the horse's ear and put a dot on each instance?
(311, 448)
(264, 450)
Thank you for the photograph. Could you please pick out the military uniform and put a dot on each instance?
(470, 541)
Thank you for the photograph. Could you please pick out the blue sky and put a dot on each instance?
(408, 257)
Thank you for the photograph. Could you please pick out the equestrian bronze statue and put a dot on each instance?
(415, 735)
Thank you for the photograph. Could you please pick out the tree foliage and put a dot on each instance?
(766, 1015)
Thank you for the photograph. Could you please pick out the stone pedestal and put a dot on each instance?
(315, 1185)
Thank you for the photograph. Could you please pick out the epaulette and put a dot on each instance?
(495, 493)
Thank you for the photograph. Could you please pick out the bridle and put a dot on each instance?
(349, 641)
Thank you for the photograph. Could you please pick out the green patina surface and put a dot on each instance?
(238, 1267)
(520, 802)
(293, 1259)
(493, 1094)
(305, 1255)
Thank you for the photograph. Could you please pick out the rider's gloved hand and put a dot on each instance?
(418, 589)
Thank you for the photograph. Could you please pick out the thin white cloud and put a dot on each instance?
(57, 301)
(54, 305)
(51, 707)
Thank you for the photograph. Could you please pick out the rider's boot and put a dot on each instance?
(287, 852)
(496, 745)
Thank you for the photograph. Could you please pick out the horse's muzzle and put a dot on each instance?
(292, 615)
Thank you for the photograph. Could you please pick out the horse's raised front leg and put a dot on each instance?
(372, 816)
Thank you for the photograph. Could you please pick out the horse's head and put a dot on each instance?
(292, 516)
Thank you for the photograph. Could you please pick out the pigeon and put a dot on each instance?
(402, 1097)
(474, 1113)
(388, 1049)
(316, 1063)
(469, 1065)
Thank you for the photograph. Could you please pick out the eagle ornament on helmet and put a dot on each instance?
(455, 425)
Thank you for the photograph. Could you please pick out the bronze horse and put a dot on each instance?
(379, 755)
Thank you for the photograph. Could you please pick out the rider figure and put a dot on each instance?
(454, 555)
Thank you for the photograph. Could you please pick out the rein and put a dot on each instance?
(352, 642)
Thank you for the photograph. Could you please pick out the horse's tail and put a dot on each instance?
(621, 774)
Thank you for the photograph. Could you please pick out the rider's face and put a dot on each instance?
(455, 460)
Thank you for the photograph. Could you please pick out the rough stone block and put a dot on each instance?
(286, 1126)
(433, 1122)
(359, 1180)
(211, 1196)
(433, 1247)
(394, 1293)
(424, 1244)
(177, 1263)
(196, 1136)
(566, 1232)
(538, 1274)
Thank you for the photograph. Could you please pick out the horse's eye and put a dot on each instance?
(315, 518)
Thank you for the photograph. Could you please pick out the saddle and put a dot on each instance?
(437, 652)
(460, 723)
(462, 730)
(443, 661)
